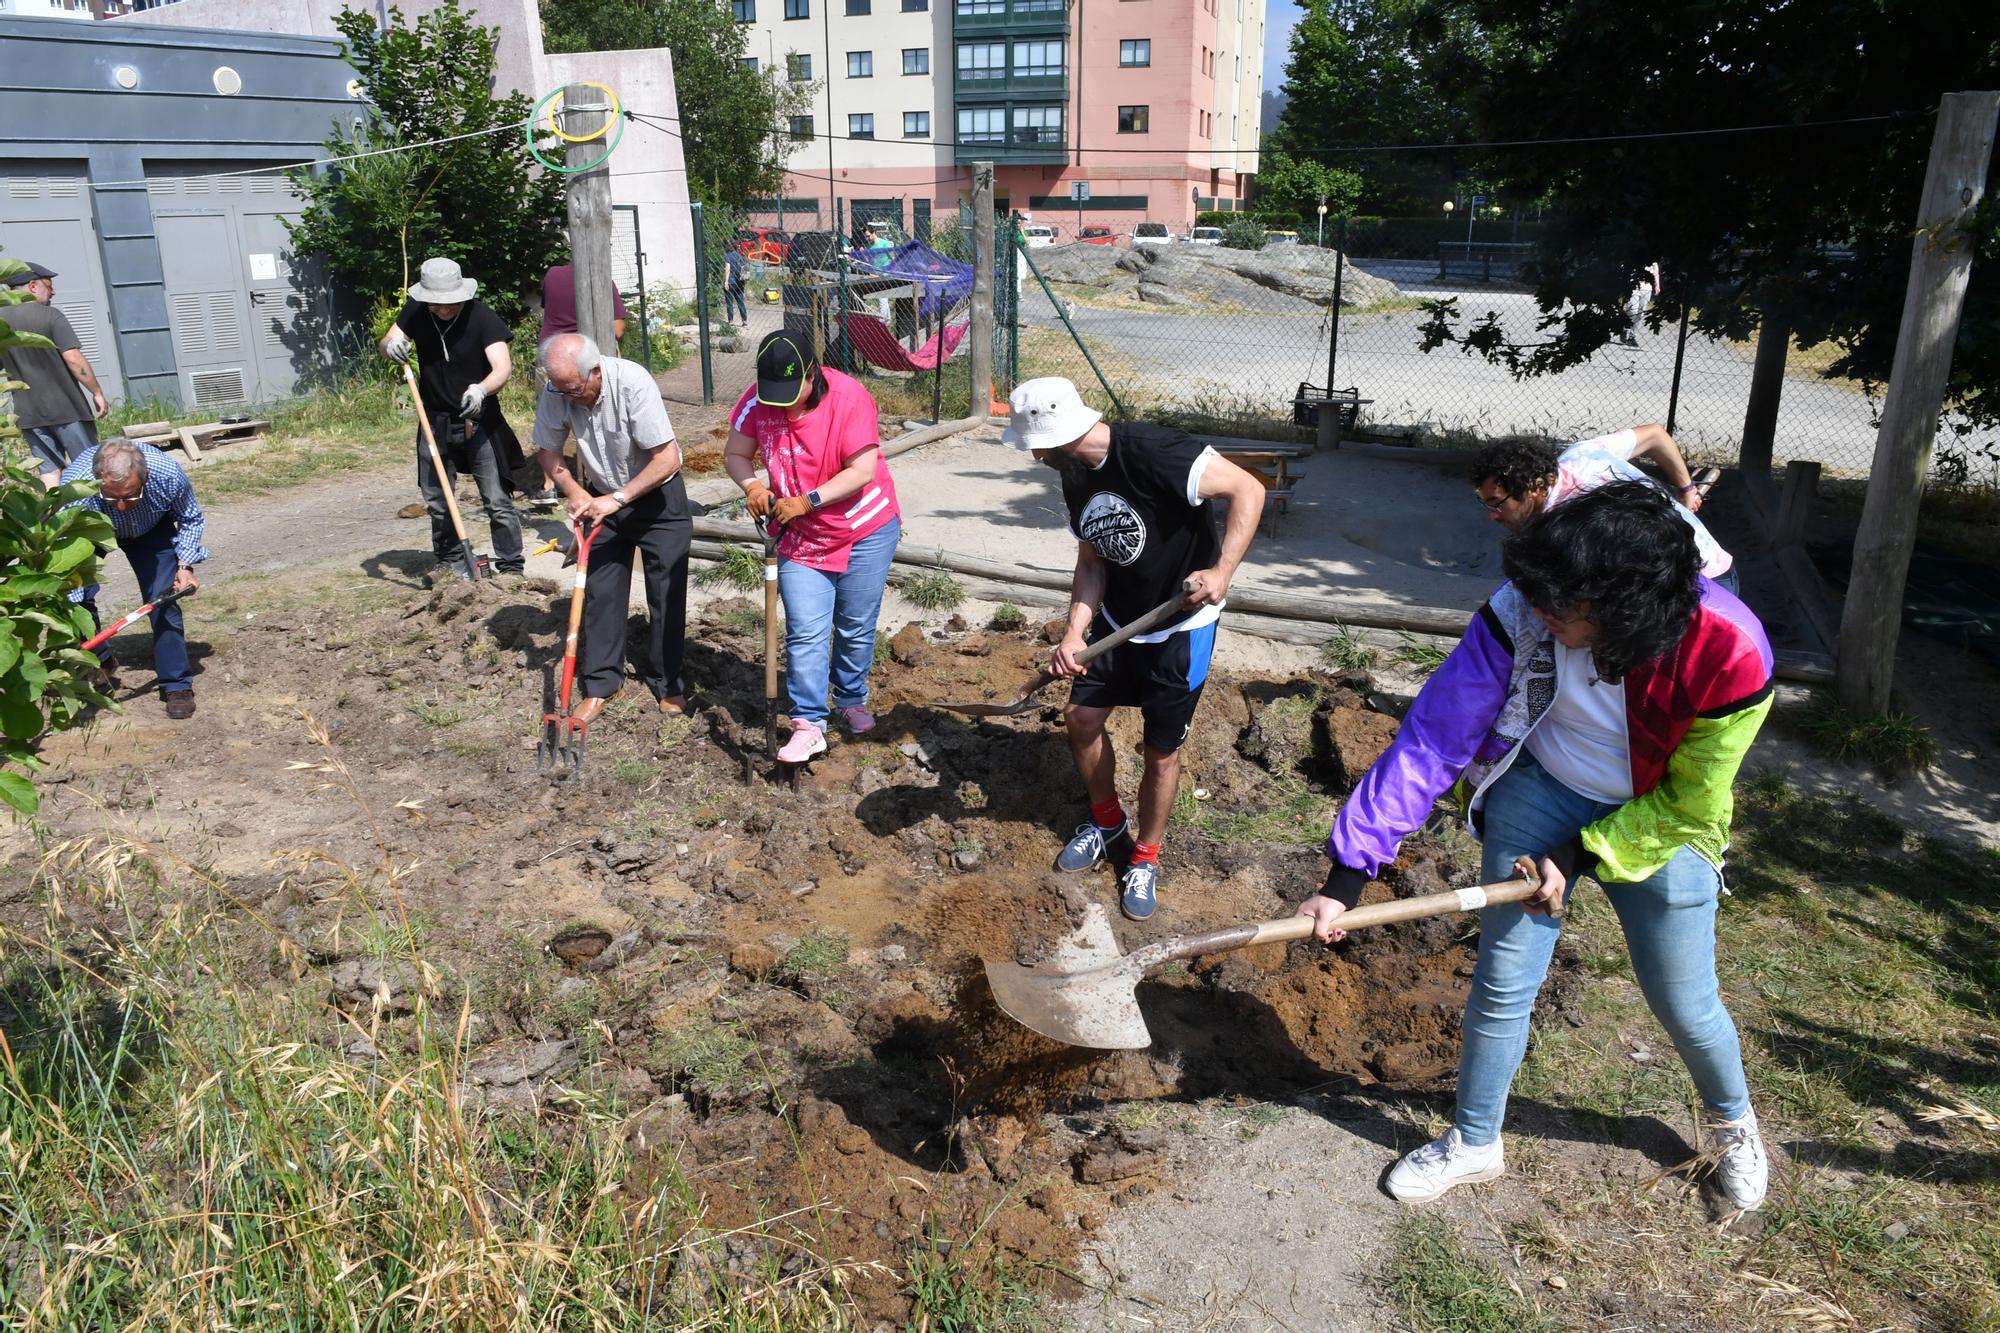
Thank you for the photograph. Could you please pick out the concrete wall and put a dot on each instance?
(55, 72)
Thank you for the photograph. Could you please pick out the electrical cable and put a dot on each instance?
(528, 136)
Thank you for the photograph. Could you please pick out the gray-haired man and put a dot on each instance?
(631, 485)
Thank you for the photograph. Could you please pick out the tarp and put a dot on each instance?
(913, 261)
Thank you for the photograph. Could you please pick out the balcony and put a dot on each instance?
(1011, 87)
(1008, 18)
(1022, 145)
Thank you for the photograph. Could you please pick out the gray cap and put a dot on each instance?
(33, 271)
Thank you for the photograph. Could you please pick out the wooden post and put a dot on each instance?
(1767, 387)
(1940, 268)
(589, 200)
(979, 337)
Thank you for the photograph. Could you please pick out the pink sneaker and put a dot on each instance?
(859, 720)
(807, 740)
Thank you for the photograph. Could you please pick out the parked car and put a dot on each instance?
(1205, 236)
(1038, 235)
(1152, 233)
(763, 245)
(1098, 236)
(1281, 238)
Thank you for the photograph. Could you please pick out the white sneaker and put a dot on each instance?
(1742, 1167)
(807, 740)
(1436, 1167)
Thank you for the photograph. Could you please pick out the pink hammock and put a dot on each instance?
(877, 344)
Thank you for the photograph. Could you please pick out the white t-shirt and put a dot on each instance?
(612, 437)
(1589, 464)
(1582, 740)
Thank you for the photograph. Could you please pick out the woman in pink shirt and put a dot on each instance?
(816, 433)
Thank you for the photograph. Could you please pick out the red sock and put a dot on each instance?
(1148, 852)
(1107, 815)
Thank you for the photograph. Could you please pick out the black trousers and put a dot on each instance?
(658, 528)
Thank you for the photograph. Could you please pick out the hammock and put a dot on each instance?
(877, 344)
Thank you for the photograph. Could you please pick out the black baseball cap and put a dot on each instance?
(785, 367)
(34, 271)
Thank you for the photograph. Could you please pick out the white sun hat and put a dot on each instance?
(1047, 414)
(441, 282)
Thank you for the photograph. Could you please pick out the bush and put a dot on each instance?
(1243, 234)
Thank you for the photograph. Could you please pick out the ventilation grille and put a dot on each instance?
(205, 325)
(44, 187)
(217, 388)
(82, 318)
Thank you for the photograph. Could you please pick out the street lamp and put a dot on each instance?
(1322, 224)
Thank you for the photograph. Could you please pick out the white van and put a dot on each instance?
(1205, 236)
(1038, 236)
(1152, 233)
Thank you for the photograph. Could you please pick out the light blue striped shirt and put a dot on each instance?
(167, 494)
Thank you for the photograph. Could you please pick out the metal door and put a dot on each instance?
(208, 310)
(45, 216)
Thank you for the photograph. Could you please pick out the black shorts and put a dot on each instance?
(1162, 680)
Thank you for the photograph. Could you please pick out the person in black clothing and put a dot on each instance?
(1140, 505)
(462, 362)
(733, 304)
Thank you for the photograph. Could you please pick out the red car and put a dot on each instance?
(1098, 236)
(763, 245)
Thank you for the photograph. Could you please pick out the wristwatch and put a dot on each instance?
(812, 498)
(621, 498)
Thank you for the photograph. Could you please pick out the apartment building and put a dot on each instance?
(1094, 112)
(66, 9)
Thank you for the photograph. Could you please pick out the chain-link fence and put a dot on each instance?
(1226, 331)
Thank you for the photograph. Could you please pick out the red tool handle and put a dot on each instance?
(131, 618)
(585, 535)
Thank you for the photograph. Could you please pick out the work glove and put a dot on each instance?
(397, 347)
(789, 508)
(471, 401)
(758, 501)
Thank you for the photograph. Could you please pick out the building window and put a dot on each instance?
(1132, 119)
(982, 60)
(861, 127)
(1038, 6)
(1038, 124)
(859, 6)
(745, 10)
(1133, 51)
(916, 60)
(748, 62)
(799, 68)
(916, 124)
(798, 9)
(802, 127)
(860, 64)
(1038, 60)
(982, 6)
(984, 124)
(916, 6)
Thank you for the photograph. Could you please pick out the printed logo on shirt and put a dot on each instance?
(1113, 528)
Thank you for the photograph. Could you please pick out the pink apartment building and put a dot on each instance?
(1148, 109)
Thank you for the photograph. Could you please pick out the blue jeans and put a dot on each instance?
(154, 563)
(1669, 925)
(830, 625)
(1731, 582)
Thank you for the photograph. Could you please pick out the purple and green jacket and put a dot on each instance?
(1690, 716)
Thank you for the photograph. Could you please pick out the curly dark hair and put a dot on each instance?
(1518, 465)
(1622, 548)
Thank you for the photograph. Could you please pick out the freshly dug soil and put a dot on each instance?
(788, 965)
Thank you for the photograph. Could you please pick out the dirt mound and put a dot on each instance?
(788, 971)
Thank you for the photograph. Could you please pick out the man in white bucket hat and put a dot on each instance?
(1140, 505)
(462, 362)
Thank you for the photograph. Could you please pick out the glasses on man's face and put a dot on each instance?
(571, 391)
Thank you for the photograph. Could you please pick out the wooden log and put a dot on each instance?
(1795, 502)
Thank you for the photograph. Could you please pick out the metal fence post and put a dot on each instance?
(1680, 355)
(1013, 311)
(701, 299)
(1063, 315)
(1333, 316)
(639, 261)
(840, 272)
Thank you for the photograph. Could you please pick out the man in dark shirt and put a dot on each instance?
(1139, 501)
(462, 362)
(58, 410)
(559, 305)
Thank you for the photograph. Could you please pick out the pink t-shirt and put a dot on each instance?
(1588, 464)
(805, 454)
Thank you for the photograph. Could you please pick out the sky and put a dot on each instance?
(1279, 16)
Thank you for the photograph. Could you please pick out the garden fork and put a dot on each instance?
(562, 735)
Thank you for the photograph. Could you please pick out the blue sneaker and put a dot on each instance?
(1091, 845)
(1136, 889)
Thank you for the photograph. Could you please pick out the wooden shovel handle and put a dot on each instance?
(437, 463)
(1378, 914)
(1139, 626)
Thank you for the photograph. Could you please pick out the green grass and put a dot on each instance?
(1008, 616)
(1420, 657)
(932, 590)
(819, 957)
(1346, 651)
(1861, 964)
(740, 568)
(1894, 743)
(1440, 1288)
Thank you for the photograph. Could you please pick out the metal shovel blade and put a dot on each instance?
(1084, 994)
(1020, 703)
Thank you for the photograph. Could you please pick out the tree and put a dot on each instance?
(1301, 184)
(730, 113)
(1805, 227)
(477, 200)
(46, 550)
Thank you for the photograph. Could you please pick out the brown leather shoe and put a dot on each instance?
(180, 704)
(674, 705)
(587, 709)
